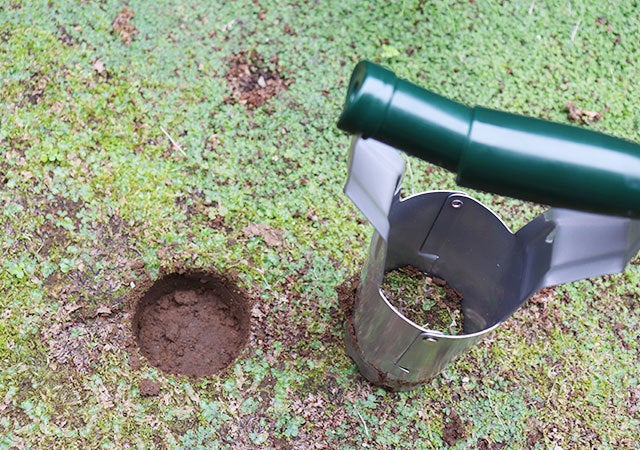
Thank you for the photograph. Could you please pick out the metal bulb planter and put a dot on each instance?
(591, 179)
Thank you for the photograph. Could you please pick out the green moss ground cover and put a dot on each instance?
(128, 151)
(426, 301)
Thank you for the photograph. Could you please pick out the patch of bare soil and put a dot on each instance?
(347, 293)
(633, 404)
(575, 114)
(252, 81)
(123, 27)
(149, 388)
(192, 324)
(424, 299)
(533, 437)
(346, 299)
(34, 89)
(453, 429)
(271, 236)
(486, 444)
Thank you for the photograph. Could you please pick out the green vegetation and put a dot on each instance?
(126, 152)
(423, 299)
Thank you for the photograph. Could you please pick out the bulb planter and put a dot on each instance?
(454, 237)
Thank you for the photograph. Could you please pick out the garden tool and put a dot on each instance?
(592, 180)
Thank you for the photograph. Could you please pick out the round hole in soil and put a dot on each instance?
(194, 324)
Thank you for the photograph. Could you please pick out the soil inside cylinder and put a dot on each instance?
(424, 299)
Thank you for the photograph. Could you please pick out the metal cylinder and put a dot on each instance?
(453, 237)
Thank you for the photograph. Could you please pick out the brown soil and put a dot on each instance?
(453, 429)
(149, 388)
(192, 324)
(252, 81)
(123, 27)
(270, 235)
(486, 444)
(424, 299)
(575, 114)
(347, 294)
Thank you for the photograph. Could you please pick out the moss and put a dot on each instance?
(425, 300)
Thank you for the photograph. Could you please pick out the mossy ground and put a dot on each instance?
(425, 300)
(126, 152)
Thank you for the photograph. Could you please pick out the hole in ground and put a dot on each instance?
(193, 324)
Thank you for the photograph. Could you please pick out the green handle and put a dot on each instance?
(494, 151)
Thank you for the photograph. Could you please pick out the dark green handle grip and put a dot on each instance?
(494, 151)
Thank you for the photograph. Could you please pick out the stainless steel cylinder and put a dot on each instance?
(456, 238)
(431, 232)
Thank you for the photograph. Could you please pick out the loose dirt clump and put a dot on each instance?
(192, 324)
(270, 235)
(575, 114)
(123, 27)
(424, 299)
(251, 80)
(486, 444)
(533, 437)
(149, 388)
(453, 429)
(347, 293)
(346, 299)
